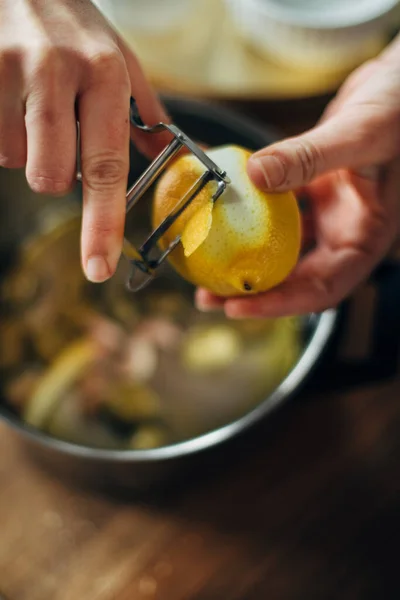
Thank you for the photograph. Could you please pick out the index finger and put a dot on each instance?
(104, 128)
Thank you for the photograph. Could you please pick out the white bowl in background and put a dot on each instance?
(323, 34)
(146, 15)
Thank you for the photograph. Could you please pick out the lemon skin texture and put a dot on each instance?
(246, 243)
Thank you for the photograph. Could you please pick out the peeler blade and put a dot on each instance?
(138, 278)
(143, 264)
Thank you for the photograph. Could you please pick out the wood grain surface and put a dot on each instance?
(312, 513)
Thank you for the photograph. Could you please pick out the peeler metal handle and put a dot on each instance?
(143, 262)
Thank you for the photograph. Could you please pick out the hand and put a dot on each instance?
(60, 60)
(349, 167)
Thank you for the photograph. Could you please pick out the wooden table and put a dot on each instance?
(314, 515)
(310, 512)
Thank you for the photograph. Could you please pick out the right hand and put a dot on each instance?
(349, 167)
(59, 61)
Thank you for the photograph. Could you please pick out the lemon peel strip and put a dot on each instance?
(63, 373)
(197, 229)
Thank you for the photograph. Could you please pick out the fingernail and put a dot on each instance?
(97, 269)
(273, 170)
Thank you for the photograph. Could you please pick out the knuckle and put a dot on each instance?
(12, 147)
(46, 63)
(102, 227)
(106, 64)
(104, 172)
(10, 60)
(12, 161)
(44, 181)
(51, 70)
(46, 114)
(308, 158)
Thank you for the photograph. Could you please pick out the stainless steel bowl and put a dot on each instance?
(135, 469)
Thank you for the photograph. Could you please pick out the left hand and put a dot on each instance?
(60, 60)
(349, 167)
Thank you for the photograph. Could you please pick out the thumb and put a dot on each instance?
(343, 141)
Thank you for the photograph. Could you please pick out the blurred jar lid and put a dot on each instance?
(149, 15)
(324, 14)
(227, 49)
(315, 34)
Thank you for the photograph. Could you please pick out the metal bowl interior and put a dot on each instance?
(320, 330)
(213, 126)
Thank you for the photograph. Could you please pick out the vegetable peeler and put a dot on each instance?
(143, 260)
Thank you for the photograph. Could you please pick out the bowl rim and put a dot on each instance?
(309, 359)
(298, 16)
(311, 354)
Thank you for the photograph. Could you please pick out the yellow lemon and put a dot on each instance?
(247, 242)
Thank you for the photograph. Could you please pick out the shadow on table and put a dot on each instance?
(318, 487)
